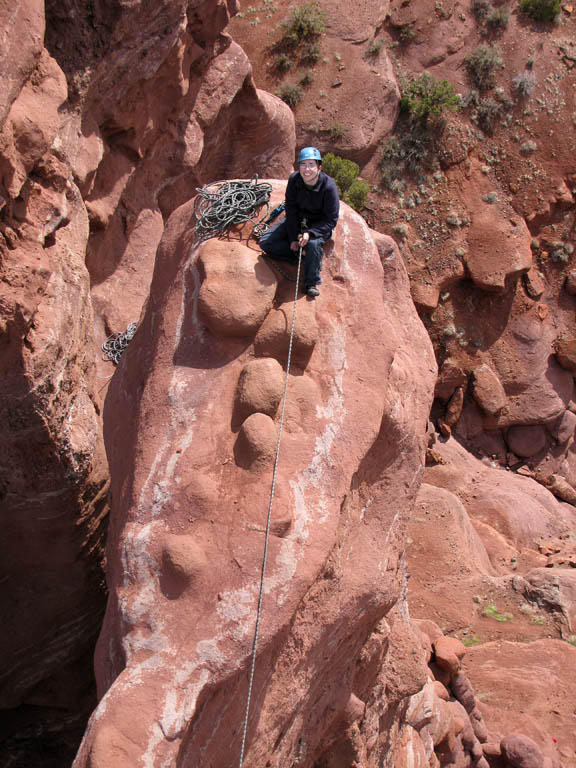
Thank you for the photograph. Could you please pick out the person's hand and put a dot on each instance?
(294, 246)
(303, 239)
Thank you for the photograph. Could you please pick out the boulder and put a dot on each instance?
(498, 239)
(260, 387)
(563, 429)
(237, 288)
(570, 283)
(521, 751)
(488, 390)
(448, 652)
(526, 440)
(566, 353)
(450, 376)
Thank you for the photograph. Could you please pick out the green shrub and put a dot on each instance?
(541, 10)
(342, 171)
(491, 612)
(352, 190)
(374, 48)
(412, 152)
(489, 112)
(291, 94)
(524, 83)
(311, 53)
(307, 78)
(305, 22)
(427, 96)
(356, 194)
(407, 33)
(482, 63)
(481, 8)
(498, 19)
(282, 63)
(336, 131)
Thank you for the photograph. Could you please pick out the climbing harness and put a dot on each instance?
(114, 346)
(268, 520)
(219, 205)
(262, 227)
(270, 259)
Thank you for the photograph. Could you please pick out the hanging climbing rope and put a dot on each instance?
(114, 346)
(219, 205)
(268, 521)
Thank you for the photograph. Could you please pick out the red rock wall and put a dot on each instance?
(133, 107)
(191, 423)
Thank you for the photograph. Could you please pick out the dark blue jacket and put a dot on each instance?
(319, 205)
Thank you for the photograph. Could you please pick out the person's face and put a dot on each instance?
(309, 170)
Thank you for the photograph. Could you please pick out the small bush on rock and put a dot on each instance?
(374, 48)
(488, 112)
(282, 63)
(345, 173)
(427, 96)
(482, 64)
(291, 94)
(311, 53)
(305, 22)
(498, 19)
(541, 10)
(524, 83)
(481, 8)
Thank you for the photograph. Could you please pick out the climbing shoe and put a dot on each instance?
(312, 291)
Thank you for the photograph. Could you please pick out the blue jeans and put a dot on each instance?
(276, 244)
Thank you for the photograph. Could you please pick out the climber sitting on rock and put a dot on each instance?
(312, 206)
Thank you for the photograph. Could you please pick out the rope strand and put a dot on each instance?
(268, 521)
(219, 205)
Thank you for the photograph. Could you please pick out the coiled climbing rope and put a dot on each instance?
(219, 205)
(114, 346)
(268, 521)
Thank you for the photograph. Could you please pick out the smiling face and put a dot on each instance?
(309, 170)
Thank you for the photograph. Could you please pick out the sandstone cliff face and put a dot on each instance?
(110, 116)
(98, 142)
(191, 422)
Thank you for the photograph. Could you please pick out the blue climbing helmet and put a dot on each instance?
(309, 153)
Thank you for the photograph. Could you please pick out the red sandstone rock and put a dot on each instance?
(533, 283)
(31, 125)
(453, 412)
(555, 589)
(260, 387)
(518, 507)
(237, 288)
(570, 283)
(368, 393)
(23, 25)
(563, 429)
(430, 629)
(520, 751)
(448, 652)
(488, 390)
(526, 440)
(450, 376)
(566, 353)
(538, 676)
(53, 473)
(441, 691)
(256, 442)
(538, 388)
(559, 486)
(498, 240)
